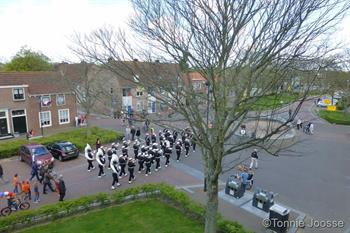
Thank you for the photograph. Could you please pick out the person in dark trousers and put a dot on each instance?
(147, 123)
(131, 168)
(157, 155)
(98, 143)
(254, 159)
(89, 157)
(109, 156)
(148, 161)
(133, 132)
(122, 163)
(100, 158)
(147, 139)
(138, 133)
(167, 153)
(115, 170)
(61, 188)
(136, 148)
(187, 146)
(175, 134)
(47, 182)
(153, 138)
(35, 172)
(141, 161)
(193, 141)
(178, 149)
(125, 151)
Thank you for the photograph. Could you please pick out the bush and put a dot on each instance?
(336, 117)
(79, 137)
(166, 192)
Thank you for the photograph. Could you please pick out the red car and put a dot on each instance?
(35, 153)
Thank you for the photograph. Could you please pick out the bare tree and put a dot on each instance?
(245, 50)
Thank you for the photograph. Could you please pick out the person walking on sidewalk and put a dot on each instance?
(254, 159)
(47, 182)
(98, 143)
(299, 124)
(138, 133)
(100, 158)
(34, 172)
(89, 157)
(131, 168)
(61, 188)
(36, 192)
(133, 132)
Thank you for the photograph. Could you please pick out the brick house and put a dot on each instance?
(36, 101)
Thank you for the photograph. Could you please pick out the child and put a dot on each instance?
(36, 192)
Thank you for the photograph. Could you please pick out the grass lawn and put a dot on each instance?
(148, 216)
(335, 117)
(274, 101)
(77, 136)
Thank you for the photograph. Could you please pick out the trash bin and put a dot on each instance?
(263, 200)
(279, 217)
(234, 187)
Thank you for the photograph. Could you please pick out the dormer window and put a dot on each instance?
(18, 94)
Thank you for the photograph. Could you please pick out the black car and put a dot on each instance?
(63, 150)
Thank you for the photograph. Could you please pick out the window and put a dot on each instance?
(136, 78)
(63, 116)
(126, 91)
(18, 93)
(45, 101)
(60, 99)
(18, 113)
(139, 93)
(139, 106)
(45, 119)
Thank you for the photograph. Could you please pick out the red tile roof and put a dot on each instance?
(44, 82)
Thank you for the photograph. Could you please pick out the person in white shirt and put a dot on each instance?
(89, 155)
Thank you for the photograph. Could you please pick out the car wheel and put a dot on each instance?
(60, 158)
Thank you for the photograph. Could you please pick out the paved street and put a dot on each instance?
(313, 179)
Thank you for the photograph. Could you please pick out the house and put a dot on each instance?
(34, 101)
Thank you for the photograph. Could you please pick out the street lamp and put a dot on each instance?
(41, 123)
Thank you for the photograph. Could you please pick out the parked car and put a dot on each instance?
(35, 153)
(63, 150)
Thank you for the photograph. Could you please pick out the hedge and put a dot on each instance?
(78, 136)
(336, 117)
(162, 191)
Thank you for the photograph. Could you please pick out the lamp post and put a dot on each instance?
(207, 83)
(41, 124)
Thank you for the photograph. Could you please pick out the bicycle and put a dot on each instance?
(20, 206)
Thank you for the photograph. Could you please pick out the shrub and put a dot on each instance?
(79, 137)
(335, 117)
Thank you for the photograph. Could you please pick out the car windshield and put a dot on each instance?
(69, 147)
(39, 151)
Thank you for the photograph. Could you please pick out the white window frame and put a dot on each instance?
(43, 126)
(139, 93)
(13, 94)
(59, 116)
(64, 100)
(139, 106)
(41, 100)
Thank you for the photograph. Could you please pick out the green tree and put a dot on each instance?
(28, 60)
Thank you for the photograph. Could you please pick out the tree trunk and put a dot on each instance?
(212, 204)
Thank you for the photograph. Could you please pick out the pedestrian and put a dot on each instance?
(194, 143)
(178, 149)
(47, 182)
(98, 143)
(127, 133)
(109, 156)
(36, 192)
(299, 124)
(89, 155)
(34, 172)
(133, 132)
(125, 151)
(122, 163)
(138, 133)
(254, 159)
(26, 190)
(175, 135)
(2, 174)
(100, 158)
(42, 169)
(61, 188)
(147, 139)
(244, 179)
(136, 148)
(147, 123)
(187, 147)
(153, 138)
(115, 170)
(16, 184)
(131, 168)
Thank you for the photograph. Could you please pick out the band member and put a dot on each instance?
(115, 146)
(122, 163)
(126, 144)
(157, 155)
(187, 146)
(171, 140)
(148, 161)
(136, 148)
(100, 158)
(153, 138)
(175, 134)
(109, 156)
(89, 156)
(131, 167)
(167, 153)
(125, 151)
(141, 160)
(147, 139)
(178, 149)
(115, 170)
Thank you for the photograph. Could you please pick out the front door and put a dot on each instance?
(3, 127)
(19, 124)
